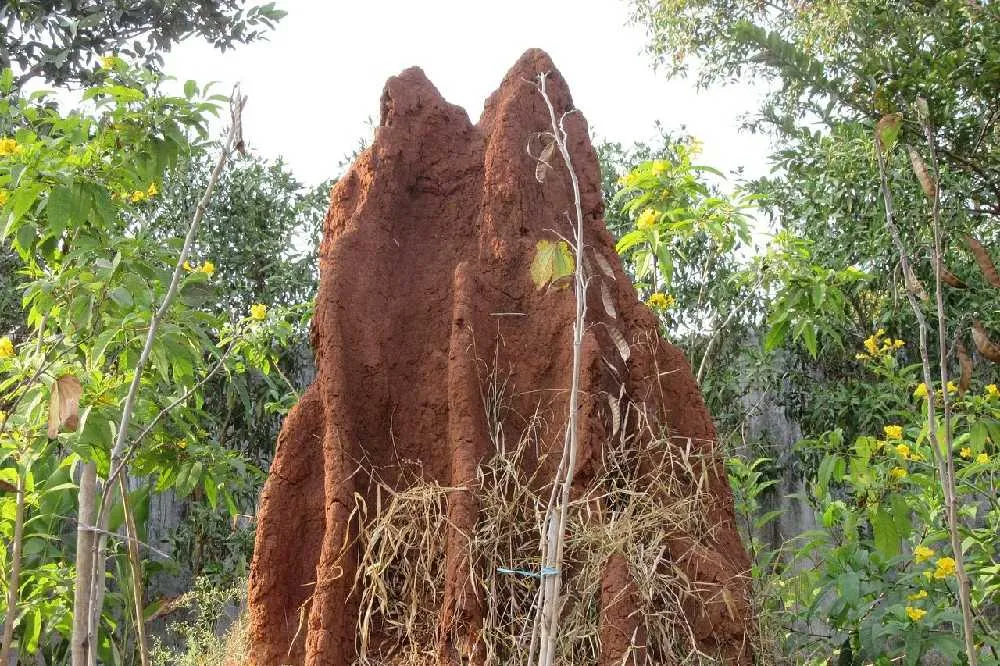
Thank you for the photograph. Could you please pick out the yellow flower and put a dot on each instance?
(660, 301)
(982, 458)
(903, 450)
(188, 266)
(992, 391)
(965, 453)
(6, 347)
(871, 344)
(921, 391)
(9, 146)
(646, 220)
(208, 268)
(915, 614)
(952, 387)
(944, 567)
(922, 554)
(258, 312)
(893, 431)
(922, 594)
(898, 344)
(137, 196)
(4, 197)
(659, 167)
(897, 473)
(861, 357)
(108, 62)
(151, 191)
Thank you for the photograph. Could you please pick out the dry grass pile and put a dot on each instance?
(646, 490)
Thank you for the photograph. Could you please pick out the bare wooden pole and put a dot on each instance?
(554, 527)
(80, 643)
(14, 580)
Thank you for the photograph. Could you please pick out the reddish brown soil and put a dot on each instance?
(428, 237)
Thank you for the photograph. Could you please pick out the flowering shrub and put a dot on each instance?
(78, 191)
(880, 573)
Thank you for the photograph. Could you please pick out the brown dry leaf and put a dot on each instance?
(7, 487)
(950, 278)
(923, 175)
(984, 260)
(543, 166)
(727, 597)
(620, 343)
(605, 266)
(64, 405)
(616, 415)
(965, 363)
(985, 346)
(609, 304)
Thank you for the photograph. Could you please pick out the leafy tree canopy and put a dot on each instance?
(63, 42)
(852, 61)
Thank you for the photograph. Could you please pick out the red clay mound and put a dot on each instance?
(436, 354)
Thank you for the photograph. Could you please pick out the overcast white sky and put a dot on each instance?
(313, 86)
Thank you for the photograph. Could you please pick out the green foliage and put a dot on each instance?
(847, 80)
(63, 42)
(260, 230)
(259, 233)
(206, 607)
(686, 244)
(79, 193)
(870, 575)
(674, 206)
(811, 302)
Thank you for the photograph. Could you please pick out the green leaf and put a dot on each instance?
(979, 434)
(22, 199)
(160, 361)
(101, 344)
(884, 530)
(849, 585)
(776, 335)
(26, 236)
(887, 130)
(552, 262)
(901, 516)
(629, 240)
(31, 632)
(59, 209)
(121, 296)
(211, 490)
(809, 338)
(195, 293)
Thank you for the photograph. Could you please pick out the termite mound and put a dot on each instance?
(414, 466)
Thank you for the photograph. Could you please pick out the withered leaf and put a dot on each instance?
(64, 405)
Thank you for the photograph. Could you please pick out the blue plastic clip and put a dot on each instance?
(546, 571)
